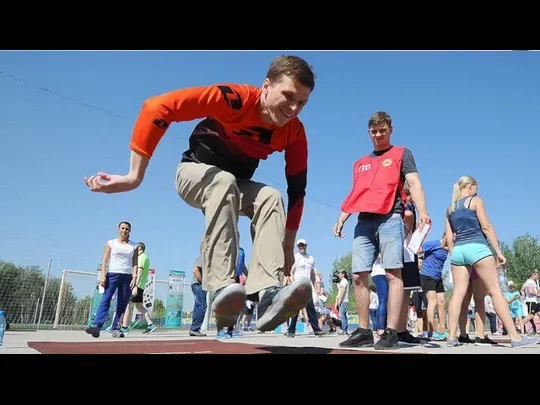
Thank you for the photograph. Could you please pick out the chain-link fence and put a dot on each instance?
(32, 300)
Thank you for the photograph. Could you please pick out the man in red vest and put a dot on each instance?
(378, 197)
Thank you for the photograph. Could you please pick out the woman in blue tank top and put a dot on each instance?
(466, 219)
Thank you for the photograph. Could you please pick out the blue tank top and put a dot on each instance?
(465, 224)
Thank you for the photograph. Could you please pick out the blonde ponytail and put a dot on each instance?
(456, 192)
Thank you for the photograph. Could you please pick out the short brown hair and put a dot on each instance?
(380, 117)
(293, 66)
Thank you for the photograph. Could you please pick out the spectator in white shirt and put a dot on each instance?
(304, 267)
(342, 300)
(373, 305)
(532, 298)
(490, 313)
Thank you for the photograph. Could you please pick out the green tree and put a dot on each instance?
(29, 291)
(342, 263)
(9, 276)
(51, 298)
(159, 308)
(21, 291)
(523, 256)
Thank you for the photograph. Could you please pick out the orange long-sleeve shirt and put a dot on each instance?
(230, 136)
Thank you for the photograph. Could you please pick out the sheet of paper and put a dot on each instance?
(408, 254)
(418, 238)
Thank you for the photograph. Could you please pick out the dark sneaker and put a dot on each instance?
(196, 333)
(93, 330)
(389, 340)
(320, 333)
(408, 339)
(228, 303)
(485, 341)
(465, 340)
(289, 334)
(359, 338)
(280, 303)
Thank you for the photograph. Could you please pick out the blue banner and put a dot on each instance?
(175, 299)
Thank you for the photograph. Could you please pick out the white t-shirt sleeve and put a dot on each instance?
(530, 297)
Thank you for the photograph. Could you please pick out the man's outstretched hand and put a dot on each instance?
(111, 183)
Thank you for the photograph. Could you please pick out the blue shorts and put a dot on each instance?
(469, 254)
(382, 234)
(516, 311)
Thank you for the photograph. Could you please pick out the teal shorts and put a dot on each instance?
(469, 254)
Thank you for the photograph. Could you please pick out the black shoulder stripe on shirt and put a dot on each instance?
(232, 98)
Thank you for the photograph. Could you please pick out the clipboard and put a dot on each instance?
(418, 237)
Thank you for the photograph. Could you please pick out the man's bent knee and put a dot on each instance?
(223, 179)
(270, 195)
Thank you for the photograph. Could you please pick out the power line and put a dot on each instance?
(84, 104)
(60, 95)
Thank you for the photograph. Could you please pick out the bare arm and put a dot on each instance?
(312, 278)
(343, 217)
(449, 234)
(317, 282)
(136, 269)
(529, 289)
(408, 221)
(293, 270)
(137, 167)
(341, 294)
(138, 276)
(417, 192)
(105, 260)
(198, 274)
(159, 112)
(338, 227)
(487, 228)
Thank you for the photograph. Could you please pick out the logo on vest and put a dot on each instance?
(386, 162)
(364, 168)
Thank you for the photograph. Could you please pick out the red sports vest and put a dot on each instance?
(375, 183)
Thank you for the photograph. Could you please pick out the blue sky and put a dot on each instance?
(459, 112)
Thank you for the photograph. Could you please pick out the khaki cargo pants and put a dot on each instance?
(222, 199)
